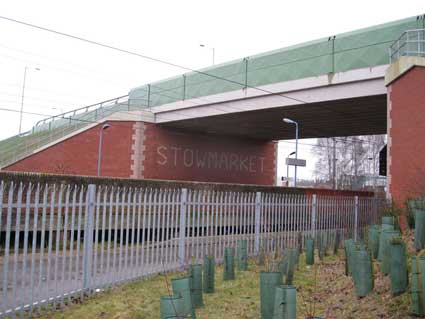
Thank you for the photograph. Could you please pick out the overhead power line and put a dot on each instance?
(338, 140)
(63, 70)
(57, 93)
(145, 57)
(25, 112)
(96, 43)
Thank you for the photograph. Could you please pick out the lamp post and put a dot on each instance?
(58, 108)
(99, 155)
(287, 169)
(213, 52)
(289, 121)
(23, 96)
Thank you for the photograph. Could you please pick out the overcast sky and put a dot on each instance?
(74, 74)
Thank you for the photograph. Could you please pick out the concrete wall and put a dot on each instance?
(145, 150)
(406, 135)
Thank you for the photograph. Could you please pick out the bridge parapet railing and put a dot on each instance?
(410, 43)
(53, 128)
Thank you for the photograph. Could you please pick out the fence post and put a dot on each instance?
(257, 223)
(88, 237)
(313, 215)
(356, 214)
(183, 205)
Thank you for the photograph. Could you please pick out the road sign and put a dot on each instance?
(295, 162)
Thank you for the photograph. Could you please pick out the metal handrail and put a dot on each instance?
(74, 112)
(410, 43)
(57, 127)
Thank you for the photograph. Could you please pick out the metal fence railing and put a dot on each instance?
(410, 43)
(60, 242)
(56, 127)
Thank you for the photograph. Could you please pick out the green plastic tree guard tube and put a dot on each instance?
(386, 250)
(300, 242)
(337, 241)
(321, 246)
(268, 282)
(419, 228)
(348, 249)
(398, 266)
(181, 287)
(418, 283)
(171, 307)
(283, 267)
(261, 257)
(387, 224)
(285, 302)
(195, 274)
(288, 252)
(283, 264)
(362, 275)
(229, 264)
(287, 266)
(288, 273)
(373, 240)
(360, 245)
(325, 243)
(309, 251)
(389, 220)
(208, 274)
(242, 255)
(297, 253)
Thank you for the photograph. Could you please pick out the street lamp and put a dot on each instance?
(99, 155)
(289, 121)
(58, 108)
(287, 168)
(213, 52)
(23, 95)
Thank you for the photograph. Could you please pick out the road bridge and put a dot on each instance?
(221, 124)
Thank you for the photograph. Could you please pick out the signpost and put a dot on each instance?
(295, 162)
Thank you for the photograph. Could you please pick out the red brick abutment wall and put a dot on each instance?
(406, 136)
(144, 150)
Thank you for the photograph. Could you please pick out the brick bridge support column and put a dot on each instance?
(405, 80)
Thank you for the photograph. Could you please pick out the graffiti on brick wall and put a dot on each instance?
(194, 158)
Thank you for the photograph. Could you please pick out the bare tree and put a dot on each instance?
(347, 162)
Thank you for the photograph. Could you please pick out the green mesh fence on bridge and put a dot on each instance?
(348, 51)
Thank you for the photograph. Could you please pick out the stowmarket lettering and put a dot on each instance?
(194, 158)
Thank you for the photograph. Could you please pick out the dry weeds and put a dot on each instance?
(333, 299)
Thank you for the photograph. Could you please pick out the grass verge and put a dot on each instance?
(333, 297)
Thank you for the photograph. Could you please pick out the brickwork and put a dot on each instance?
(145, 150)
(406, 134)
(78, 154)
(177, 155)
(137, 150)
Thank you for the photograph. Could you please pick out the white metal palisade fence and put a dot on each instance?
(60, 241)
